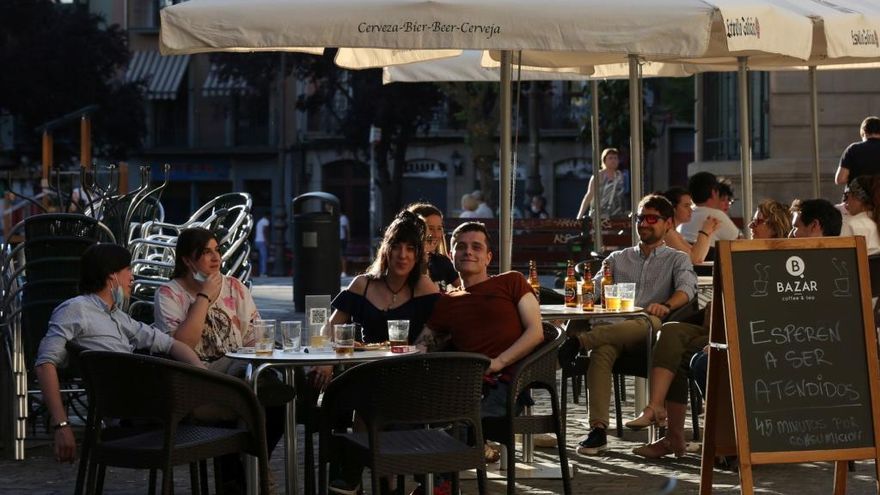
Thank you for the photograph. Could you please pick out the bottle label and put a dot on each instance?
(570, 296)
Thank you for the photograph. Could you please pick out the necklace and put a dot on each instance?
(392, 291)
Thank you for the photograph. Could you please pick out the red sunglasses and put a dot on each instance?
(649, 218)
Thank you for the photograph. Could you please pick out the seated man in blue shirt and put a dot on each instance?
(665, 281)
(95, 321)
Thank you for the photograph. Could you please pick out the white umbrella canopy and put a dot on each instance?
(467, 67)
(556, 33)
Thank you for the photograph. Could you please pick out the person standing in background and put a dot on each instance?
(612, 188)
(261, 238)
(344, 235)
(861, 157)
(538, 208)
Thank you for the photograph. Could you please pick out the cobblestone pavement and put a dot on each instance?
(617, 471)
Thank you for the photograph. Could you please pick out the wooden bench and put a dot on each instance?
(551, 242)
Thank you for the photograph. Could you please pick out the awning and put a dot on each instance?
(215, 85)
(162, 74)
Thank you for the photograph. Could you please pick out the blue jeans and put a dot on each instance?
(263, 249)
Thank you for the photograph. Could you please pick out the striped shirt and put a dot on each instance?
(656, 276)
(89, 322)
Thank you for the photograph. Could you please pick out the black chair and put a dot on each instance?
(537, 371)
(164, 392)
(425, 393)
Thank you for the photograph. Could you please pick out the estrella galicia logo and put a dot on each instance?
(744, 26)
(864, 37)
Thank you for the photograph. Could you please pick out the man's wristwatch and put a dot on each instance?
(58, 426)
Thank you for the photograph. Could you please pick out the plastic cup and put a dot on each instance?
(291, 335)
(627, 293)
(264, 334)
(398, 332)
(343, 337)
(612, 299)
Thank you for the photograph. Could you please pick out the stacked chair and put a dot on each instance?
(41, 270)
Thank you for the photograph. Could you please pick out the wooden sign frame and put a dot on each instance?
(726, 424)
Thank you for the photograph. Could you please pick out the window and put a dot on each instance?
(721, 116)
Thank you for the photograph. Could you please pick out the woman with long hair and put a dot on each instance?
(862, 201)
(439, 266)
(683, 206)
(611, 188)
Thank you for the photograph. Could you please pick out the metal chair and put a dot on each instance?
(536, 371)
(436, 396)
(166, 392)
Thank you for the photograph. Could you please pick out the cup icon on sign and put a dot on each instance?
(760, 283)
(841, 283)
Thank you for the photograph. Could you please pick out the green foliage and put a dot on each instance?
(59, 58)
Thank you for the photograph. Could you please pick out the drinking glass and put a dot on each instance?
(398, 332)
(627, 294)
(612, 298)
(264, 333)
(343, 336)
(317, 339)
(291, 335)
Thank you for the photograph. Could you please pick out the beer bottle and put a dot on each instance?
(587, 290)
(571, 295)
(533, 279)
(606, 280)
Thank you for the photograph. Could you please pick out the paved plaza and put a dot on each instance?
(617, 471)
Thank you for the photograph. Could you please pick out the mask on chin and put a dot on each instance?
(199, 276)
(118, 295)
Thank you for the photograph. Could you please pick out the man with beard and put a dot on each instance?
(665, 280)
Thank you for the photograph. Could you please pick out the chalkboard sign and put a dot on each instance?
(793, 365)
(802, 350)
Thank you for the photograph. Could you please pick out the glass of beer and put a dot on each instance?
(627, 294)
(612, 298)
(343, 337)
(264, 334)
(398, 332)
(317, 339)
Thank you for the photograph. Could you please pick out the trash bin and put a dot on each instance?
(316, 249)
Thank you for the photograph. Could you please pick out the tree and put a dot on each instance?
(59, 58)
(478, 112)
(401, 111)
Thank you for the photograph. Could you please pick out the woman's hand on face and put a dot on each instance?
(212, 286)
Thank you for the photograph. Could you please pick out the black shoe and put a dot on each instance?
(568, 352)
(596, 442)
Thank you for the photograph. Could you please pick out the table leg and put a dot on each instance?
(528, 442)
(250, 462)
(290, 437)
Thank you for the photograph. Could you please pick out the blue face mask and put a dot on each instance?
(118, 295)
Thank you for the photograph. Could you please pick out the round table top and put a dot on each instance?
(560, 312)
(315, 356)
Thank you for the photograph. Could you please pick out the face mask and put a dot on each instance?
(199, 276)
(118, 295)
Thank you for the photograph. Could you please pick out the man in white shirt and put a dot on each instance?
(704, 191)
(483, 210)
(260, 240)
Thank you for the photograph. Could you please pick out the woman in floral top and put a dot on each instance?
(208, 311)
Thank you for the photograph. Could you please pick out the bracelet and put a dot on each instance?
(703, 232)
(202, 294)
(60, 425)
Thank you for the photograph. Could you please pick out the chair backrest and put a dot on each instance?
(538, 369)
(420, 389)
(125, 385)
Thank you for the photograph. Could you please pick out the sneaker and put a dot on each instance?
(596, 442)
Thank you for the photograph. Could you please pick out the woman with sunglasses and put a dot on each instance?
(439, 266)
(771, 220)
(683, 204)
(862, 200)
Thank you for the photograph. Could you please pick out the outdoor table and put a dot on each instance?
(287, 362)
